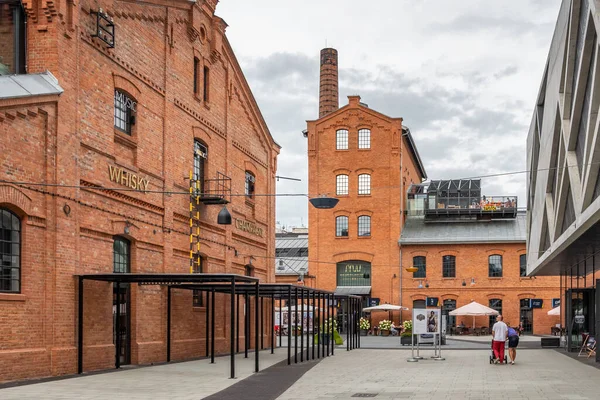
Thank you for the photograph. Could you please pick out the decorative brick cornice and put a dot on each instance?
(34, 7)
(124, 197)
(188, 109)
(87, 38)
(247, 152)
(138, 16)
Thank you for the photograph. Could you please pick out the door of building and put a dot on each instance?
(579, 316)
(526, 316)
(124, 323)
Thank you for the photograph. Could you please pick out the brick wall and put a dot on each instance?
(383, 162)
(472, 262)
(71, 140)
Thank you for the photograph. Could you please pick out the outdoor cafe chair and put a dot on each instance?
(477, 331)
(484, 331)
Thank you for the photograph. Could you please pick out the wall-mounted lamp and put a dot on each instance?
(420, 285)
(472, 281)
(464, 283)
(127, 225)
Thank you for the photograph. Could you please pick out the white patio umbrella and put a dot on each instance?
(474, 309)
(554, 311)
(385, 307)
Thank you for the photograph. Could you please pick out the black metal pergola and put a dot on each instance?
(237, 286)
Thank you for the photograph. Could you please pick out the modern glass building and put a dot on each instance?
(563, 157)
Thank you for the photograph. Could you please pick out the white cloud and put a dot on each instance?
(464, 75)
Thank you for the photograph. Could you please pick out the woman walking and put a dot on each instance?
(513, 342)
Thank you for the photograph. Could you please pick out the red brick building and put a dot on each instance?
(137, 97)
(367, 160)
(469, 247)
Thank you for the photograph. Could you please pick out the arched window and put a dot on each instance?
(341, 184)
(364, 139)
(419, 304)
(10, 252)
(341, 139)
(420, 263)
(449, 267)
(121, 255)
(364, 225)
(249, 187)
(495, 304)
(364, 184)
(125, 109)
(200, 159)
(341, 226)
(523, 265)
(495, 266)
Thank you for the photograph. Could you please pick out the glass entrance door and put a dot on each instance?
(580, 316)
(526, 316)
(124, 323)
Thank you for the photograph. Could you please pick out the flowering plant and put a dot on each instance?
(329, 325)
(385, 325)
(407, 325)
(364, 324)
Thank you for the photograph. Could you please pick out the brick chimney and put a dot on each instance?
(328, 89)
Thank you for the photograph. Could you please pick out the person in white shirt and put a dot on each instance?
(499, 335)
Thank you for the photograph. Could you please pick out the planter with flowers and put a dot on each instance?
(406, 337)
(385, 326)
(364, 325)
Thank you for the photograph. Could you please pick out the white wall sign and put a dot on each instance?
(426, 321)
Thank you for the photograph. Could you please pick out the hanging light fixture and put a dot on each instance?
(323, 202)
(411, 269)
(420, 285)
(472, 281)
(464, 283)
(224, 218)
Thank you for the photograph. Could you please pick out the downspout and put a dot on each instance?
(402, 136)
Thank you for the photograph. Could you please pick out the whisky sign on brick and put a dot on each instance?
(122, 177)
(249, 227)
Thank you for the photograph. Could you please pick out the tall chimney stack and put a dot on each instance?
(328, 89)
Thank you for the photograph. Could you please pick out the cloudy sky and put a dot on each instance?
(464, 75)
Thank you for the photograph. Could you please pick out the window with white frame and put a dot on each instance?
(341, 139)
(364, 138)
(364, 184)
(364, 225)
(341, 184)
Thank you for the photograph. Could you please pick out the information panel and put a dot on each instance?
(426, 321)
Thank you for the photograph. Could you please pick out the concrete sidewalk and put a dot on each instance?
(538, 374)
(180, 380)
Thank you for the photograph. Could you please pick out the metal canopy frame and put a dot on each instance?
(236, 286)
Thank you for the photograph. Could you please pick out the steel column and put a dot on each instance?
(262, 324)
(348, 336)
(237, 324)
(80, 327)
(168, 323)
(295, 325)
(207, 326)
(273, 323)
(302, 325)
(313, 324)
(246, 325)
(118, 328)
(281, 321)
(256, 331)
(328, 327)
(212, 326)
(289, 340)
(232, 328)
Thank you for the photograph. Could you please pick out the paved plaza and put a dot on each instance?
(385, 373)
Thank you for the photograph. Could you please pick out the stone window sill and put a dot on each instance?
(12, 297)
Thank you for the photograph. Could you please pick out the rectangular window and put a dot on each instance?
(364, 225)
(341, 185)
(341, 139)
(12, 37)
(495, 266)
(364, 184)
(341, 226)
(449, 267)
(10, 252)
(364, 139)
(249, 187)
(419, 263)
(125, 108)
(523, 265)
(206, 84)
(196, 75)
